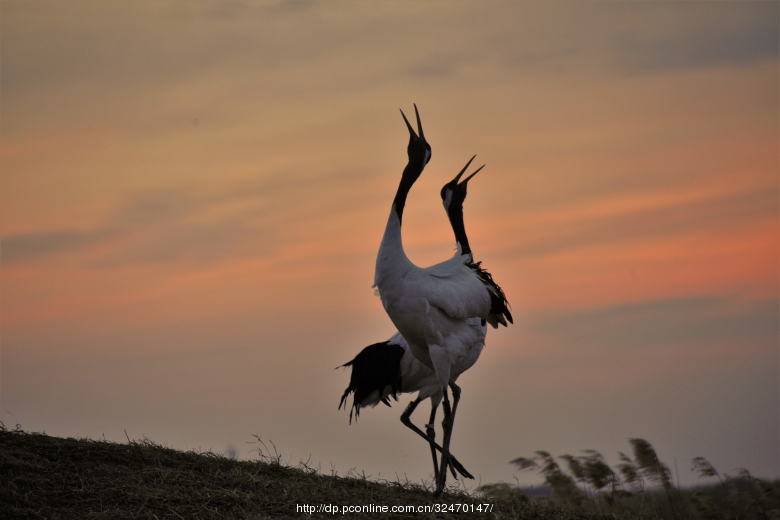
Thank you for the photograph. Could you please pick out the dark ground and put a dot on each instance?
(49, 477)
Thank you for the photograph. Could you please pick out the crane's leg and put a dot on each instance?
(446, 425)
(455, 399)
(432, 435)
(454, 464)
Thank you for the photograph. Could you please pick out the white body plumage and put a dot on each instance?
(417, 377)
(430, 306)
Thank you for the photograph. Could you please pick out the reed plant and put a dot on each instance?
(642, 487)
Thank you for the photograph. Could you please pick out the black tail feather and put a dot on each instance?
(374, 369)
(499, 306)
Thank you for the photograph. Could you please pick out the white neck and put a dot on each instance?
(391, 260)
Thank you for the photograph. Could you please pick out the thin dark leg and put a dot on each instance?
(454, 464)
(446, 425)
(455, 398)
(405, 418)
(432, 435)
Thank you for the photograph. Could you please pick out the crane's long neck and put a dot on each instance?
(411, 172)
(391, 255)
(455, 213)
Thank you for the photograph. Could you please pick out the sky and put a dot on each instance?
(192, 196)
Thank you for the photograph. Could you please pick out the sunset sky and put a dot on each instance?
(193, 195)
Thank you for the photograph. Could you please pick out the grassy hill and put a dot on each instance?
(49, 477)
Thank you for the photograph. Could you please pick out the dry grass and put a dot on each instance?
(49, 477)
(643, 488)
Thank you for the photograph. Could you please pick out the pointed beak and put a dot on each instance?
(411, 130)
(467, 179)
(419, 124)
(457, 177)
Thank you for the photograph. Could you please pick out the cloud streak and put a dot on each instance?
(29, 247)
(664, 322)
(727, 35)
(731, 211)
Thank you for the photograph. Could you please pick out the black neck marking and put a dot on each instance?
(411, 173)
(458, 227)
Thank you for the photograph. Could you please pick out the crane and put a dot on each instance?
(384, 369)
(433, 307)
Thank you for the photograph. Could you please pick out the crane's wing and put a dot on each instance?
(464, 289)
(455, 289)
(499, 306)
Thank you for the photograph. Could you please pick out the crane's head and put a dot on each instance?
(419, 150)
(452, 193)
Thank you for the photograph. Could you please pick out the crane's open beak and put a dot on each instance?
(457, 177)
(467, 179)
(419, 124)
(411, 130)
